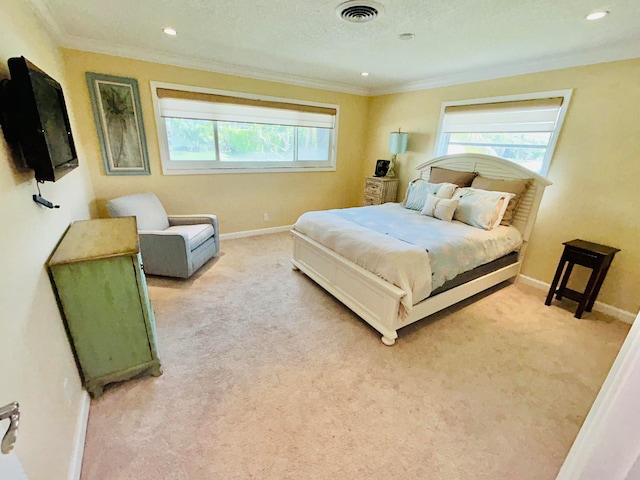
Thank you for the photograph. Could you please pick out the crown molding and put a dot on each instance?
(47, 18)
(613, 53)
(620, 51)
(108, 48)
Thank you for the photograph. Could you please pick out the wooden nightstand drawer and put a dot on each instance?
(372, 200)
(372, 188)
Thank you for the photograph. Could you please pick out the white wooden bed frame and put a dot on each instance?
(377, 301)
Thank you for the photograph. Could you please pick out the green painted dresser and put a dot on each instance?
(101, 288)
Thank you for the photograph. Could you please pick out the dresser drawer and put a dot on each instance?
(372, 200)
(372, 188)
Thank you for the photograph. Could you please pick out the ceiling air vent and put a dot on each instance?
(359, 11)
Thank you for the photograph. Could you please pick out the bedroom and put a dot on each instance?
(597, 153)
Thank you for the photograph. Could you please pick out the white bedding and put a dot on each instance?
(414, 252)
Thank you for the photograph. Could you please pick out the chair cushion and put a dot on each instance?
(197, 234)
(146, 207)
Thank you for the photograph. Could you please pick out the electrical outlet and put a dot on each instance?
(266, 217)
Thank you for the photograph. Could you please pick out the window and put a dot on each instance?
(208, 131)
(523, 129)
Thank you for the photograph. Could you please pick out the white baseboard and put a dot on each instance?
(615, 312)
(75, 468)
(253, 233)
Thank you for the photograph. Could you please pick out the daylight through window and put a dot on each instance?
(206, 132)
(521, 130)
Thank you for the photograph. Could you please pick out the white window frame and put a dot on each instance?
(441, 146)
(170, 167)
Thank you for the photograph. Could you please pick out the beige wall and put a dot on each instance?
(239, 200)
(35, 358)
(594, 170)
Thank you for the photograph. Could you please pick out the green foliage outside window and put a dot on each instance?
(239, 141)
(191, 139)
(186, 135)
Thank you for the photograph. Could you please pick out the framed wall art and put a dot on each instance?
(118, 117)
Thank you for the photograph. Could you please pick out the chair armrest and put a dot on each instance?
(165, 235)
(197, 220)
(165, 253)
(194, 220)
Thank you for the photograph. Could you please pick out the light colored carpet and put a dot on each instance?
(266, 376)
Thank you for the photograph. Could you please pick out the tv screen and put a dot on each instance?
(39, 120)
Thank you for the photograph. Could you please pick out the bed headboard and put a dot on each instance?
(496, 167)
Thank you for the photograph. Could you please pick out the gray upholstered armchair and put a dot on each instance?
(172, 246)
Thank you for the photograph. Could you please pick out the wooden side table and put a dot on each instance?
(591, 255)
(378, 190)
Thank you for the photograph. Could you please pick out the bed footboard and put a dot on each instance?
(370, 297)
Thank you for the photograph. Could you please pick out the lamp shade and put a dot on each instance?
(398, 142)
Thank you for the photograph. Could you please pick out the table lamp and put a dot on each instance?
(397, 144)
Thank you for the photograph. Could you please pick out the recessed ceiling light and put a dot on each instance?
(406, 36)
(597, 15)
(365, 74)
(170, 31)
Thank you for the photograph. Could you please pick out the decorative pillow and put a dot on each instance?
(444, 175)
(418, 190)
(446, 190)
(517, 187)
(481, 208)
(440, 208)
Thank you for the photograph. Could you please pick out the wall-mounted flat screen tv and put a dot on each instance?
(35, 118)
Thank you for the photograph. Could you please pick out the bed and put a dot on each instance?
(391, 303)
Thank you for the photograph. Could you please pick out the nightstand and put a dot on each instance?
(378, 190)
(591, 255)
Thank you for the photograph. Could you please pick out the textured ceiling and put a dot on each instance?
(304, 41)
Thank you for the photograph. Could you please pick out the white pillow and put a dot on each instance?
(446, 190)
(481, 208)
(440, 208)
(418, 190)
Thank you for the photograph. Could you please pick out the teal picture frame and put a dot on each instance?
(118, 117)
